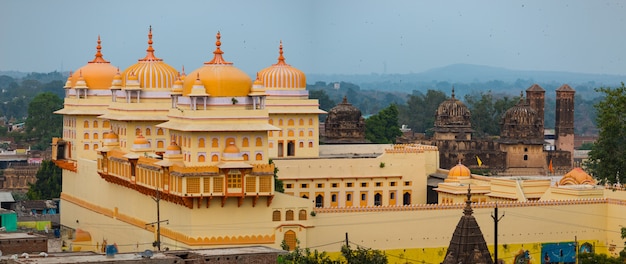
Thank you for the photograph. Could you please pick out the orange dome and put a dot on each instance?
(577, 177)
(98, 73)
(231, 148)
(140, 140)
(110, 135)
(219, 77)
(82, 236)
(459, 171)
(173, 147)
(282, 75)
(151, 71)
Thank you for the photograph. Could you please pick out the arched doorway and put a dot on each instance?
(378, 199)
(406, 198)
(290, 239)
(319, 200)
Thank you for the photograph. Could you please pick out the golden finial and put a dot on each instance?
(99, 58)
(150, 51)
(217, 57)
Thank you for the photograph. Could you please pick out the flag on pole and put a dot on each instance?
(480, 162)
(550, 166)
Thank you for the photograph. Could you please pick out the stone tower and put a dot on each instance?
(535, 96)
(452, 120)
(564, 127)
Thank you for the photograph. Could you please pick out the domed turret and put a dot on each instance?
(97, 74)
(282, 75)
(458, 172)
(219, 77)
(520, 123)
(141, 143)
(452, 120)
(231, 153)
(151, 72)
(577, 176)
(110, 139)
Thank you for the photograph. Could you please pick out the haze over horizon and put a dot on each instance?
(319, 37)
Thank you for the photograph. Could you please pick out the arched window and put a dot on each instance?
(259, 142)
(160, 144)
(349, 197)
(245, 157)
(160, 131)
(214, 143)
(86, 147)
(86, 136)
(95, 146)
(378, 199)
(259, 156)
(392, 195)
(137, 131)
(280, 122)
(106, 124)
(310, 121)
(525, 157)
(86, 124)
(310, 144)
(290, 122)
(95, 135)
(245, 143)
(301, 144)
(406, 198)
(301, 122)
(95, 124)
(290, 239)
(148, 132)
(302, 215)
(319, 200)
(289, 215)
(301, 133)
(310, 133)
(201, 158)
(201, 142)
(290, 133)
(214, 158)
(276, 215)
(271, 121)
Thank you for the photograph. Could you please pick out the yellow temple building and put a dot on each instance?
(147, 150)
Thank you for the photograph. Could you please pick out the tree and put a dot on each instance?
(48, 184)
(363, 255)
(608, 155)
(486, 112)
(419, 113)
(278, 184)
(325, 102)
(383, 128)
(304, 256)
(42, 124)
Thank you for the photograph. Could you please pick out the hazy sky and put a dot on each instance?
(321, 36)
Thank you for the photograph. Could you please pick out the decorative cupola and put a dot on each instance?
(282, 76)
(173, 153)
(68, 85)
(198, 92)
(132, 88)
(152, 73)
(116, 85)
(231, 153)
(110, 140)
(177, 91)
(81, 86)
(258, 94)
(97, 74)
(141, 145)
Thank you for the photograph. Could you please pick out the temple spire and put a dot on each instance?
(217, 57)
(150, 51)
(99, 58)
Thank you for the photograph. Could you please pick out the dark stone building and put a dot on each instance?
(344, 124)
(520, 149)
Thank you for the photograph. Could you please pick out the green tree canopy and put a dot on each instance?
(487, 111)
(42, 124)
(419, 112)
(383, 128)
(48, 184)
(607, 157)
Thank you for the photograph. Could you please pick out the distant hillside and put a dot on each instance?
(476, 78)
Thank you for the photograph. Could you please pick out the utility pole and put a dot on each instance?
(157, 199)
(347, 245)
(496, 219)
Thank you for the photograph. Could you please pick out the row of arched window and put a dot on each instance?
(291, 133)
(202, 157)
(185, 141)
(291, 122)
(289, 215)
(94, 124)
